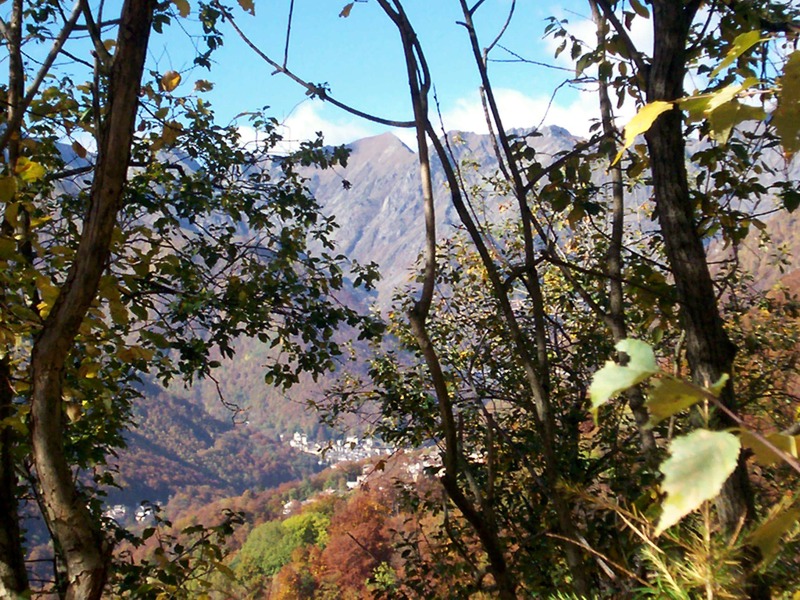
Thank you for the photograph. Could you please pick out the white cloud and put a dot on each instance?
(521, 111)
(307, 119)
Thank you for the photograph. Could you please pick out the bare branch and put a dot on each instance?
(314, 90)
(13, 125)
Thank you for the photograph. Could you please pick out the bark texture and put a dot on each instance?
(709, 350)
(85, 550)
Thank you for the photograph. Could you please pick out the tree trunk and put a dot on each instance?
(616, 296)
(86, 552)
(13, 578)
(708, 348)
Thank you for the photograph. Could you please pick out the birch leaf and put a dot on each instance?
(699, 464)
(613, 378)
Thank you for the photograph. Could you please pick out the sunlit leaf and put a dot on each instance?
(786, 117)
(48, 294)
(698, 466)
(763, 453)
(670, 396)
(89, 370)
(769, 534)
(170, 80)
(728, 93)
(640, 123)
(134, 353)
(719, 385)
(729, 115)
(74, 411)
(613, 378)
(741, 44)
(29, 170)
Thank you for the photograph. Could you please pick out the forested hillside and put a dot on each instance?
(581, 362)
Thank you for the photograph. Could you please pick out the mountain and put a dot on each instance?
(188, 434)
(380, 213)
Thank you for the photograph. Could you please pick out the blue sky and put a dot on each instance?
(361, 60)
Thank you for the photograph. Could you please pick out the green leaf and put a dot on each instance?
(723, 119)
(790, 198)
(786, 117)
(640, 123)
(613, 378)
(698, 466)
(719, 385)
(8, 188)
(669, 397)
(769, 533)
(741, 44)
(8, 248)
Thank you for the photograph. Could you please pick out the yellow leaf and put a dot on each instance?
(728, 93)
(133, 353)
(171, 132)
(39, 221)
(74, 411)
(741, 44)
(29, 170)
(346, 10)
(769, 533)
(89, 370)
(765, 455)
(183, 7)
(170, 80)
(726, 117)
(247, 6)
(786, 117)
(641, 123)
(670, 396)
(48, 294)
(8, 188)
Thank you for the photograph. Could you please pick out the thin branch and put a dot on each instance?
(502, 31)
(314, 90)
(529, 61)
(13, 125)
(288, 34)
(637, 57)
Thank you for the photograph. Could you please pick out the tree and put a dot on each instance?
(445, 394)
(139, 260)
